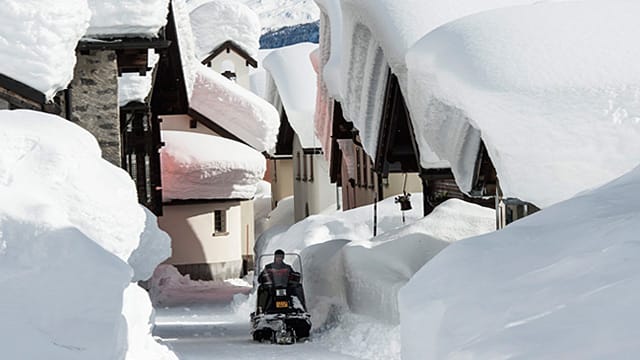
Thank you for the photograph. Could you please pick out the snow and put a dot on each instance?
(350, 279)
(277, 220)
(558, 116)
(187, 44)
(258, 76)
(138, 311)
(134, 87)
(236, 109)
(293, 75)
(39, 42)
(561, 283)
(367, 36)
(346, 267)
(275, 14)
(202, 166)
(169, 287)
(214, 22)
(72, 239)
(130, 18)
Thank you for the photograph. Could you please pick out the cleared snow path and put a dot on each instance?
(218, 331)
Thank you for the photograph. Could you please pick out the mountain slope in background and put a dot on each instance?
(290, 35)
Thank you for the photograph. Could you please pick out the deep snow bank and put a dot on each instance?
(72, 236)
(562, 283)
(351, 279)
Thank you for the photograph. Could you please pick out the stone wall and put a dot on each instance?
(94, 100)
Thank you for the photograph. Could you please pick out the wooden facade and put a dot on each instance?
(140, 132)
(17, 95)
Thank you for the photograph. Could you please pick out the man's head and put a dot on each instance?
(278, 256)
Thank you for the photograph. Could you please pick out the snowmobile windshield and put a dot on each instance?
(279, 276)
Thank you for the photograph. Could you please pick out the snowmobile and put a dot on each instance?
(281, 315)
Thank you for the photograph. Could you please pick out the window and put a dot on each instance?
(298, 177)
(311, 168)
(358, 168)
(365, 172)
(220, 223)
(304, 164)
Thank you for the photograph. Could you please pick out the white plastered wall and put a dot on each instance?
(240, 67)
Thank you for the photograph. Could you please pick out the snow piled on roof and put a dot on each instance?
(292, 73)
(562, 283)
(201, 166)
(72, 239)
(39, 41)
(217, 21)
(186, 42)
(127, 18)
(558, 116)
(236, 109)
(366, 36)
(275, 14)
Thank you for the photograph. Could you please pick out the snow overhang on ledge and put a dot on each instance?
(131, 18)
(236, 109)
(557, 116)
(39, 42)
(292, 72)
(201, 166)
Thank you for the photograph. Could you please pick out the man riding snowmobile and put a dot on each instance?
(281, 314)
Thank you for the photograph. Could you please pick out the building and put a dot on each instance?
(191, 99)
(298, 160)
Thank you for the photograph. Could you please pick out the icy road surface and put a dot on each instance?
(211, 331)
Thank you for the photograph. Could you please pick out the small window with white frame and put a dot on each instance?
(220, 223)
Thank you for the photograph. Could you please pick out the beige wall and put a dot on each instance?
(247, 224)
(191, 231)
(239, 67)
(182, 123)
(396, 182)
(311, 196)
(281, 180)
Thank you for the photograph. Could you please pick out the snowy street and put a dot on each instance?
(350, 179)
(216, 330)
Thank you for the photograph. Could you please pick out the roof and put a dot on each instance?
(215, 22)
(292, 74)
(131, 18)
(227, 46)
(557, 116)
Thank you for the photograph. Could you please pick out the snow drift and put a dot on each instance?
(72, 238)
(352, 278)
(562, 283)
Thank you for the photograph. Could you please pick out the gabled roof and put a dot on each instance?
(228, 46)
